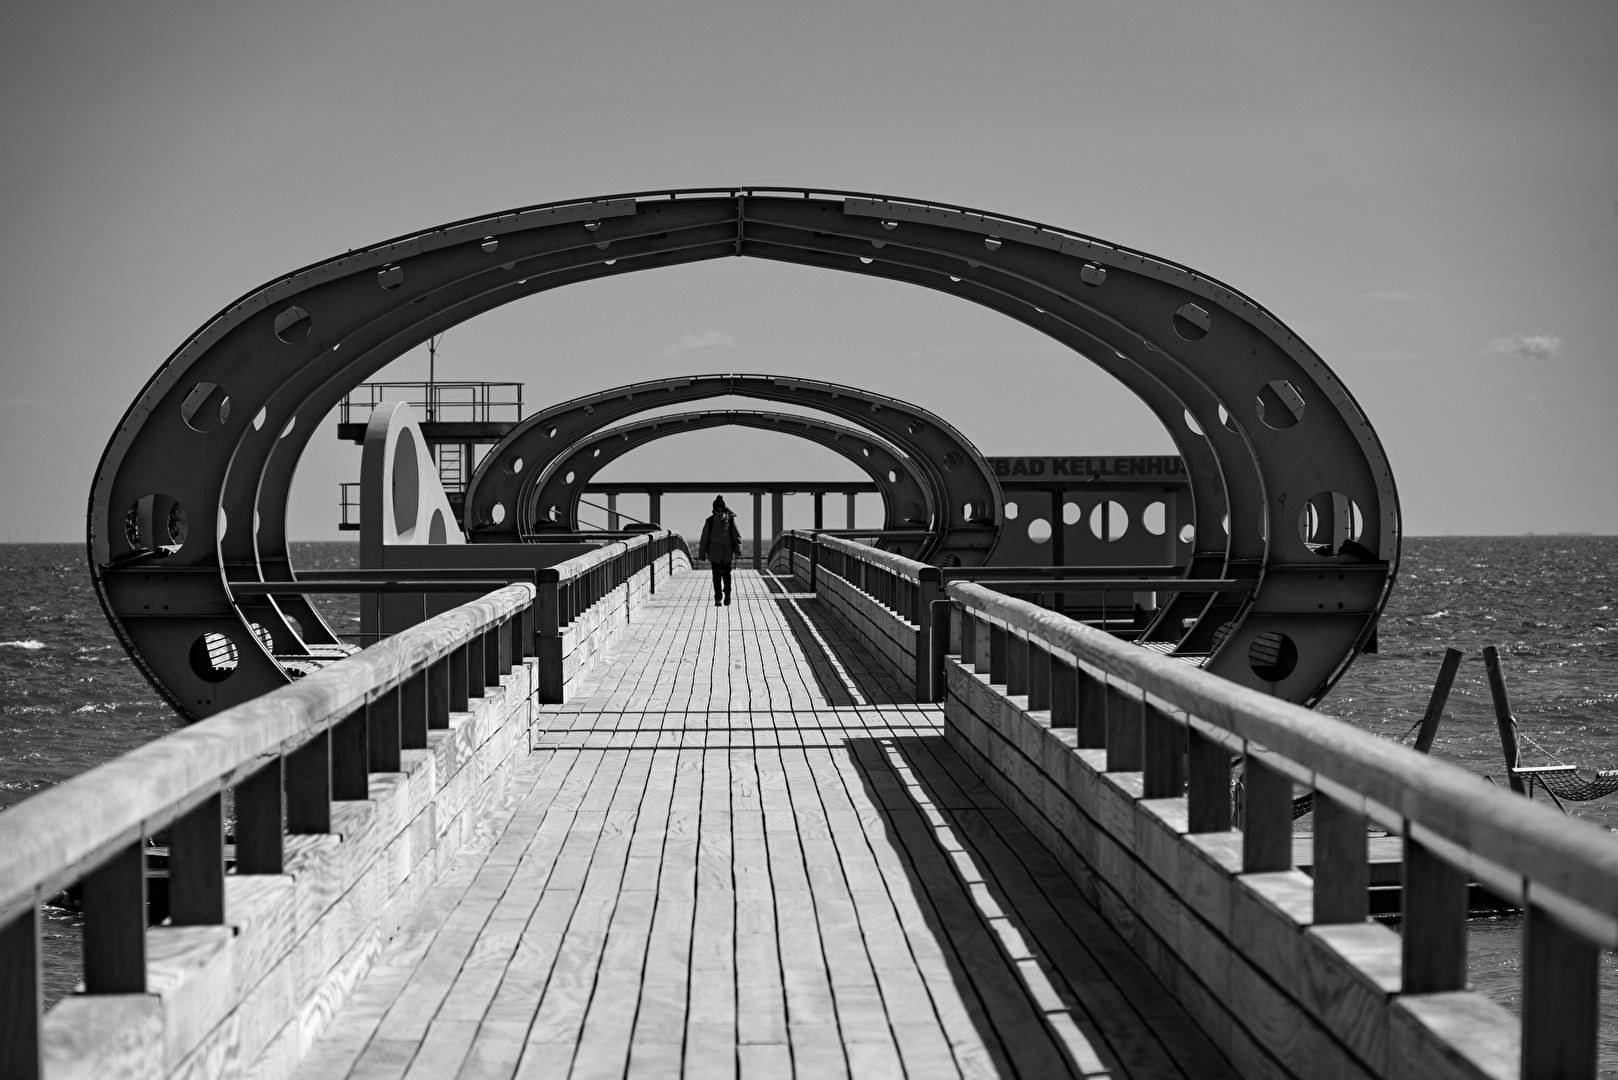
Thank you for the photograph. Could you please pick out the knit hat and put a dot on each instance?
(719, 502)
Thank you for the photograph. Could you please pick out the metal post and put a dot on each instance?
(777, 513)
(820, 510)
(654, 513)
(850, 524)
(758, 530)
(612, 512)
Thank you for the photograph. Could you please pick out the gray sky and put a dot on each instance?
(1427, 193)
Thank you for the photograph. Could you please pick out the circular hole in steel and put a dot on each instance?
(293, 324)
(1039, 531)
(1272, 656)
(205, 408)
(213, 657)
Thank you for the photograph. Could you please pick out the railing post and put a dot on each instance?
(197, 865)
(350, 757)
(1039, 677)
(382, 720)
(1561, 999)
(308, 786)
(1064, 694)
(1163, 754)
(115, 924)
(938, 635)
(475, 684)
(814, 564)
(1125, 752)
(259, 847)
(1434, 921)
(929, 588)
(1342, 873)
(997, 653)
(459, 662)
(22, 998)
(1091, 719)
(413, 711)
(1208, 784)
(1016, 662)
(548, 627)
(969, 638)
(1267, 819)
(491, 656)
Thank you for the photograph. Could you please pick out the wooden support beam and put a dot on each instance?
(413, 711)
(1434, 921)
(1064, 694)
(1435, 704)
(351, 757)
(1561, 999)
(259, 807)
(1091, 718)
(1016, 663)
(1125, 750)
(197, 865)
(997, 654)
(382, 723)
(459, 660)
(1342, 873)
(308, 787)
(1163, 754)
(22, 998)
(1039, 665)
(1502, 716)
(115, 924)
(1208, 784)
(1266, 818)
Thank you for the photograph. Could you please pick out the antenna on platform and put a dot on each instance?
(432, 375)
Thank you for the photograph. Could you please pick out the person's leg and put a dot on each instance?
(727, 582)
(720, 570)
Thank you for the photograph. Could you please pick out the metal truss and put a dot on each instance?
(907, 500)
(1293, 492)
(951, 492)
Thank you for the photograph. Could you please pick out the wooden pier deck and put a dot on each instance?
(738, 852)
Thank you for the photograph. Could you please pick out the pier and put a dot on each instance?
(740, 845)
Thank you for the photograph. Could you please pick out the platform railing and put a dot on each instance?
(570, 591)
(474, 402)
(1181, 728)
(903, 590)
(287, 757)
(296, 763)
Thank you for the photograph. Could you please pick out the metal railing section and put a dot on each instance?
(1181, 729)
(440, 402)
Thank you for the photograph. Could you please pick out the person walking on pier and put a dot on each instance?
(721, 543)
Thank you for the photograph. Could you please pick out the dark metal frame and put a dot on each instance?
(219, 428)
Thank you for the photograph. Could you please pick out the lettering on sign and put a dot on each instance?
(1158, 467)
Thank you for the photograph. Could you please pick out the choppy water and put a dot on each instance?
(70, 698)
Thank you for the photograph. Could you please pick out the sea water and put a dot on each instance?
(72, 698)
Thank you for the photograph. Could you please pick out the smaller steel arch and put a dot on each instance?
(499, 501)
(908, 500)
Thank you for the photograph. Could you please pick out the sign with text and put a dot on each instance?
(1169, 468)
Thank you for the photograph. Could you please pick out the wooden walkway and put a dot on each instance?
(738, 853)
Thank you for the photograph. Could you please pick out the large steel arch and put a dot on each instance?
(503, 501)
(1280, 449)
(906, 496)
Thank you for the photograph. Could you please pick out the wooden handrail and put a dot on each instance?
(1441, 803)
(54, 838)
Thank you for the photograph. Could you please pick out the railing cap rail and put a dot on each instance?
(1573, 858)
(579, 564)
(54, 837)
(909, 569)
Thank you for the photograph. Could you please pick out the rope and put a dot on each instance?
(1535, 745)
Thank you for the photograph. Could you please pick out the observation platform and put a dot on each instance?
(742, 849)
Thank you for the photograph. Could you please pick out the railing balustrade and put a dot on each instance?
(288, 758)
(1181, 729)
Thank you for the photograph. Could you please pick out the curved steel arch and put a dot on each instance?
(1185, 343)
(903, 487)
(962, 495)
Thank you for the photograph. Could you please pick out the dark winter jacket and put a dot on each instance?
(721, 542)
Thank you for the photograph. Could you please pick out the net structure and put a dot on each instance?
(1571, 786)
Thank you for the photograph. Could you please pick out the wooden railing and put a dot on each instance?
(887, 598)
(570, 593)
(344, 786)
(1132, 726)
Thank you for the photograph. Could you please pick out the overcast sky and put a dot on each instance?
(1427, 192)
